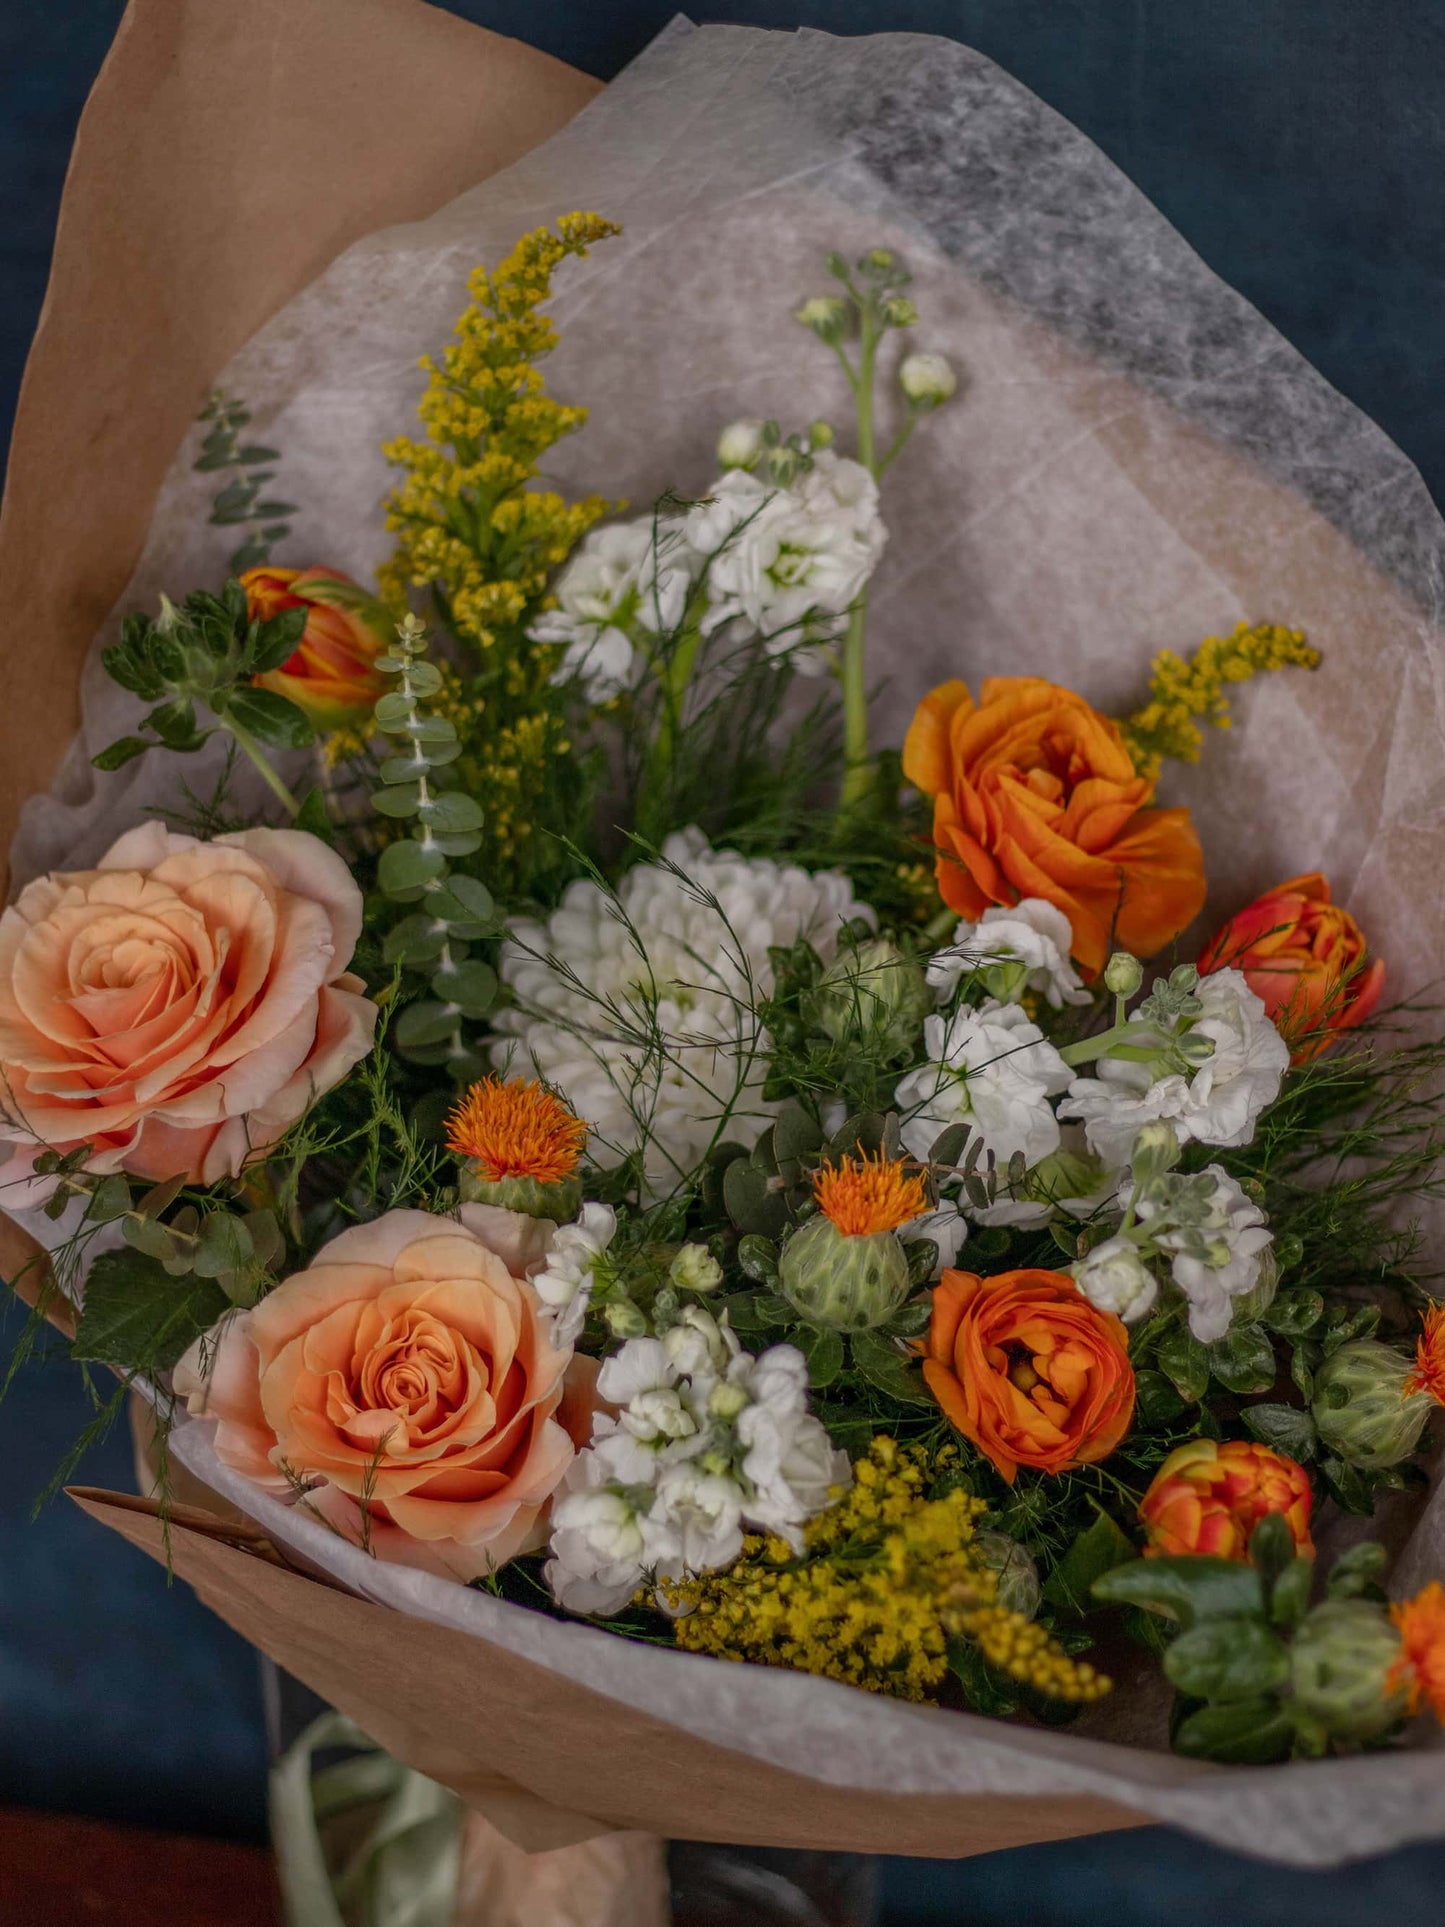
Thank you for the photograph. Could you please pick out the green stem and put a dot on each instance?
(674, 687)
(853, 669)
(246, 741)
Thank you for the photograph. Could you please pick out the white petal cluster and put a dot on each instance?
(1235, 1240)
(1115, 1278)
(642, 1008)
(1028, 942)
(625, 577)
(1218, 1103)
(989, 1068)
(788, 560)
(706, 1440)
(563, 1279)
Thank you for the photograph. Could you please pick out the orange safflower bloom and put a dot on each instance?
(1028, 1369)
(1429, 1373)
(866, 1195)
(1208, 1498)
(1305, 958)
(1034, 795)
(331, 674)
(1420, 1669)
(516, 1129)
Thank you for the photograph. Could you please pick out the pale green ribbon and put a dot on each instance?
(400, 1868)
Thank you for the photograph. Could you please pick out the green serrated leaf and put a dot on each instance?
(1294, 1312)
(1285, 1428)
(270, 718)
(137, 1318)
(1243, 1360)
(887, 1370)
(275, 642)
(824, 1353)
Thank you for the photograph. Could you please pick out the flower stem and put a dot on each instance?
(674, 681)
(246, 741)
(853, 668)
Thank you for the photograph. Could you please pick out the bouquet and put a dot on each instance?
(557, 1098)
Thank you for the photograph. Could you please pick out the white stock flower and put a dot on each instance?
(701, 1513)
(1236, 1232)
(792, 1467)
(563, 1279)
(624, 576)
(1218, 1103)
(697, 1346)
(641, 1009)
(598, 1548)
(789, 561)
(1034, 936)
(991, 1069)
(1115, 1278)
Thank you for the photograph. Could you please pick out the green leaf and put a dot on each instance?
(175, 724)
(824, 1353)
(1098, 1549)
(270, 718)
(452, 813)
(471, 985)
(1156, 1400)
(1184, 1362)
(750, 1204)
(1291, 1595)
(863, 1132)
(1271, 1549)
(425, 678)
(145, 1234)
(1293, 1312)
(109, 1200)
(758, 1259)
(1351, 1488)
(795, 1135)
(1187, 1588)
(116, 755)
(1247, 1733)
(138, 1318)
(275, 642)
(950, 1144)
(225, 1245)
(268, 1242)
(922, 1256)
(985, 1688)
(1357, 1573)
(1227, 1659)
(161, 1196)
(399, 799)
(393, 713)
(467, 905)
(1243, 1360)
(1283, 1427)
(408, 865)
(424, 1023)
(312, 815)
(887, 1370)
(415, 940)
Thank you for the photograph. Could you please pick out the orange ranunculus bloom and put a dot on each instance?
(332, 675)
(1034, 795)
(1305, 958)
(1208, 1498)
(1028, 1369)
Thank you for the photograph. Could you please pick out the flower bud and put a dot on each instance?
(624, 1320)
(518, 1145)
(694, 1268)
(1113, 1277)
(876, 261)
(828, 315)
(1341, 1663)
(927, 380)
(1156, 1150)
(872, 997)
(821, 434)
(899, 312)
(1123, 974)
(1019, 1590)
(726, 1399)
(740, 444)
(331, 675)
(1361, 1407)
(1208, 1498)
(843, 1282)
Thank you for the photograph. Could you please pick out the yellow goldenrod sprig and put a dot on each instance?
(1182, 695)
(887, 1577)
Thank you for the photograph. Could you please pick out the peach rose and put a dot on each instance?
(1028, 1369)
(408, 1379)
(180, 1005)
(1305, 958)
(1034, 795)
(331, 675)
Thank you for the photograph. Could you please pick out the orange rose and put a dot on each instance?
(407, 1377)
(1034, 795)
(331, 676)
(180, 1005)
(1028, 1369)
(1305, 959)
(1208, 1498)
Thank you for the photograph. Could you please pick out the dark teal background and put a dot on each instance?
(1299, 145)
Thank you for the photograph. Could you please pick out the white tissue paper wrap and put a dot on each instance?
(1135, 459)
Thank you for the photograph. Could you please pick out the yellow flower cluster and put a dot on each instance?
(886, 1578)
(1184, 694)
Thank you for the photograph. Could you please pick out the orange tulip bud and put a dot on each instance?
(332, 674)
(1305, 958)
(1208, 1498)
(1035, 795)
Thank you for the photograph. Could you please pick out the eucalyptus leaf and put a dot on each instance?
(397, 800)
(408, 865)
(451, 814)
(109, 1200)
(225, 1245)
(471, 985)
(424, 1023)
(417, 940)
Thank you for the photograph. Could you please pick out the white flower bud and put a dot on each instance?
(1115, 1278)
(828, 315)
(624, 1320)
(740, 444)
(1123, 974)
(694, 1268)
(821, 435)
(927, 380)
(726, 1399)
(1156, 1150)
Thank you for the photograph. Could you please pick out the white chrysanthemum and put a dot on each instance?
(1218, 1103)
(642, 1009)
(623, 577)
(563, 1279)
(1029, 942)
(1238, 1238)
(991, 1069)
(789, 561)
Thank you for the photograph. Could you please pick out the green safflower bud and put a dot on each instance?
(843, 1282)
(1340, 1667)
(560, 1200)
(1361, 1409)
(1123, 974)
(694, 1268)
(1019, 1590)
(828, 315)
(872, 997)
